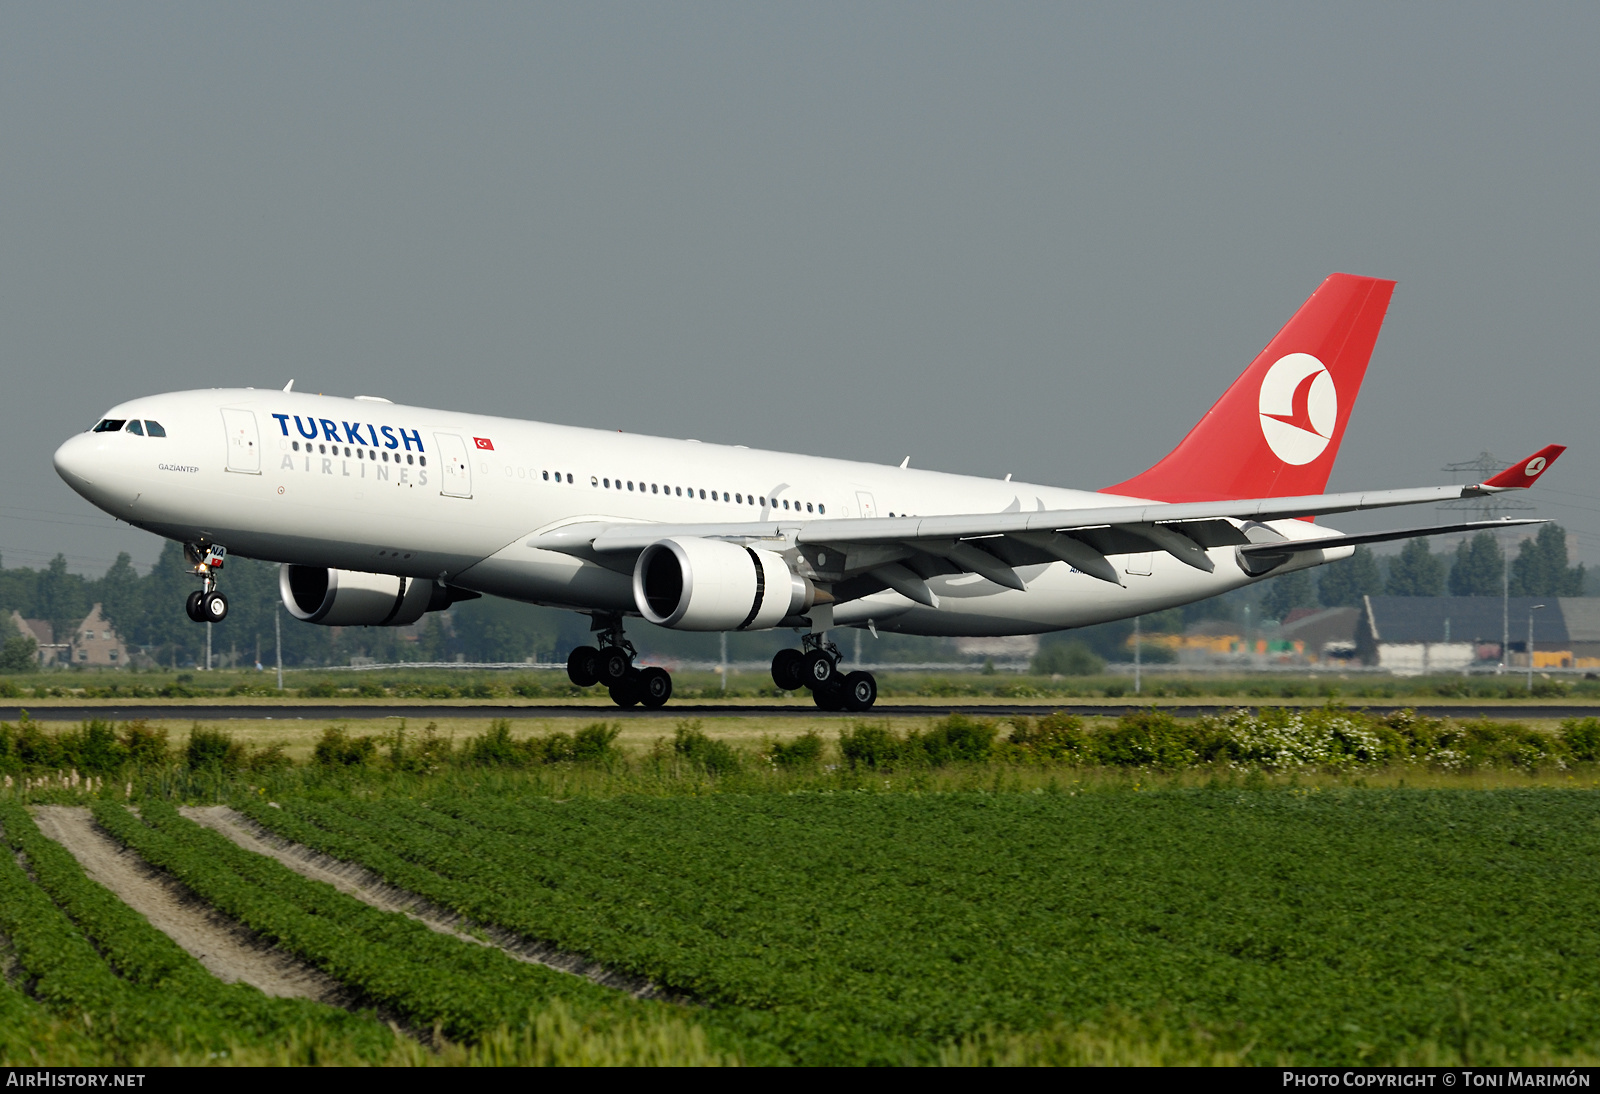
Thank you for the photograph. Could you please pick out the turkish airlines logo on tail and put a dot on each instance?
(1299, 408)
(1535, 465)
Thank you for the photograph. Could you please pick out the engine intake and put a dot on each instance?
(351, 598)
(709, 585)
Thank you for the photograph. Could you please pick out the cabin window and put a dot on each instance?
(110, 425)
(154, 429)
(653, 489)
(296, 445)
(630, 484)
(808, 507)
(136, 428)
(547, 476)
(410, 458)
(821, 508)
(423, 460)
(679, 490)
(323, 449)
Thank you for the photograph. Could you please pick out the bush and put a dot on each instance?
(712, 757)
(1073, 658)
(213, 750)
(495, 748)
(339, 749)
(804, 751)
(143, 745)
(325, 689)
(595, 742)
(1146, 738)
(430, 752)
(954, 739)
(1057, 737)
(870, 746)
(1582, 738)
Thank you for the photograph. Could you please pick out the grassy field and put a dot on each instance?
(1315, 887)
(467, 686)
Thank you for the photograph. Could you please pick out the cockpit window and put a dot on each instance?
(110, 425)
(136, 428)
(154, 429)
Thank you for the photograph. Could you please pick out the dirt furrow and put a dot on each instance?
(226, 948)
(370, 887)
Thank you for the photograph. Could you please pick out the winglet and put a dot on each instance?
(289, 386)
(1521, 474)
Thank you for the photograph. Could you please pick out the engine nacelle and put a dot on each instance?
(709, 585)
(350, 598)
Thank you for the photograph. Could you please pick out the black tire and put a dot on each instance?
(787, 667)
(655, 687)
(583, 666)
(614, 666)
(214, 608)
(860, 691)
(191, 605)
(818, 670)
(627, 692)
(829, 696)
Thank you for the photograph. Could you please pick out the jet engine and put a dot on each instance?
(710, 585)
(350, 598)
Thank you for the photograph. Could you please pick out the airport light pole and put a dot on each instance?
(277, 639)
(1531, 610)
(1138, 645)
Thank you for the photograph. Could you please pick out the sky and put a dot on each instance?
(1035, 239)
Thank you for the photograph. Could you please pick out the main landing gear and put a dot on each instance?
(816, 666)
(206, 604)
(612, 664)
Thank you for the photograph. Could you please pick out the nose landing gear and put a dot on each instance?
(612, 664)
(816, 666)
(206, 604)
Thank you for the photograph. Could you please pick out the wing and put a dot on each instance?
(865, 555)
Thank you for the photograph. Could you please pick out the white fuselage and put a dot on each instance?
(387, 488)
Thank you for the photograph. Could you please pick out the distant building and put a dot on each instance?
(1322, 634)
(1410, 635)
(92, 642)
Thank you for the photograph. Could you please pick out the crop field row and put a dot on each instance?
(1317, 926)
(93, 982)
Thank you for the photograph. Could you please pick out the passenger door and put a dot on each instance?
(868, 507)
(456, 480)
(244, 443)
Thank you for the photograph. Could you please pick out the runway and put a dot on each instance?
(351, 711)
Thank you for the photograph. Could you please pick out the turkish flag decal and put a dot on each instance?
(484, 443)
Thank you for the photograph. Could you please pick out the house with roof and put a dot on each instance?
(93, 642)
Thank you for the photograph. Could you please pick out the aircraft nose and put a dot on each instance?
(75, 462)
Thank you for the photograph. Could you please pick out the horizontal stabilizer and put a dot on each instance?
(1291, 546)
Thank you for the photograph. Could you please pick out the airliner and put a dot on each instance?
(380, 512)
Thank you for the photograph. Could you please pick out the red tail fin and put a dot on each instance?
(1276, 431)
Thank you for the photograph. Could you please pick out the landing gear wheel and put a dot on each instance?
(583, 666)
(615, 665)
(655, 687)
(214, 607)
(829, 696)
(860, 691)
(819, 669)
(627, 691)
(788, 667)
(192, 606)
